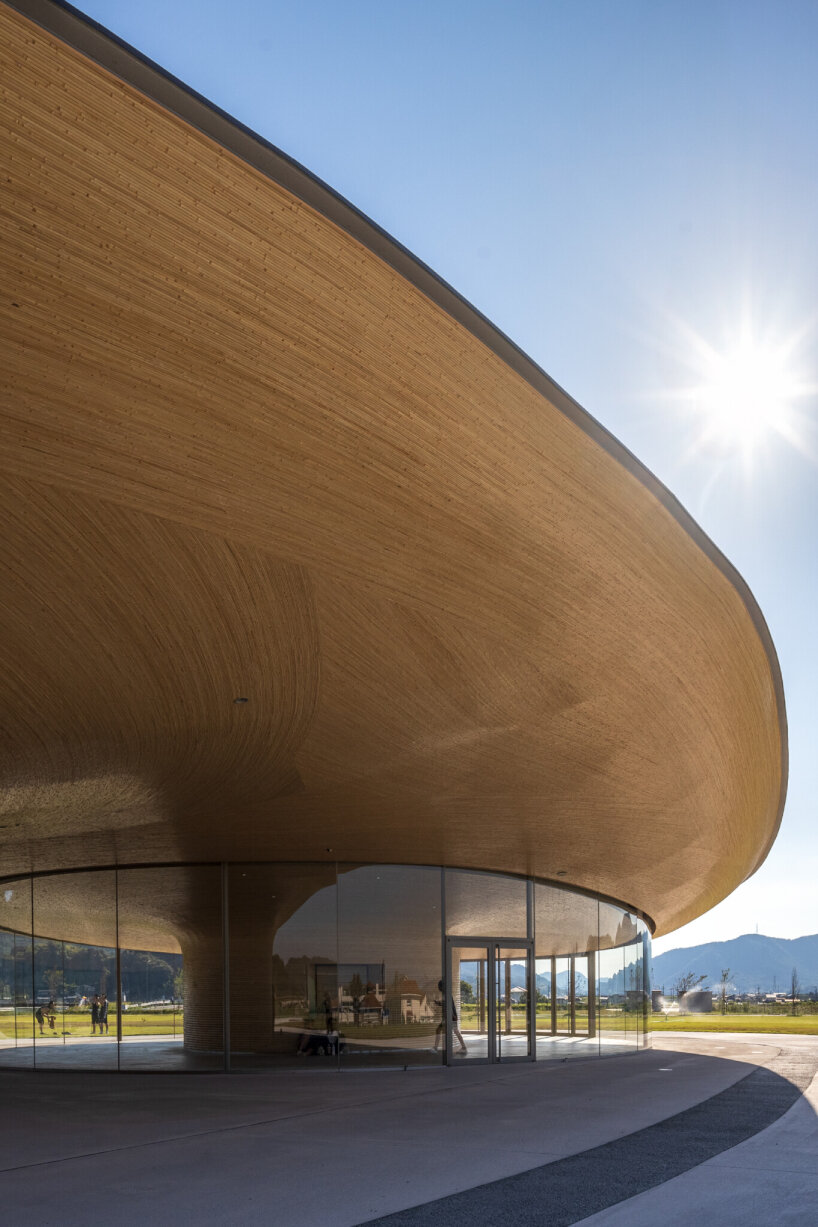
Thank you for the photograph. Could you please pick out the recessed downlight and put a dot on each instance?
(241, 699)
(561, 873)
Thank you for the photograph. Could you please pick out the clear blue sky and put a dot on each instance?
(607, 182)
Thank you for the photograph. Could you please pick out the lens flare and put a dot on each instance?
(749, 393)
(746, 394)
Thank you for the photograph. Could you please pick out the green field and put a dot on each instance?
(607, 1019)
(78, 1023)
(762, 1024)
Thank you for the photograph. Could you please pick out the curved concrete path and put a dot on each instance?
(571, 1190)
(549, 1144)
(770, 1178)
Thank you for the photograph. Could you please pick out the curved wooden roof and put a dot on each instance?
(251, 449)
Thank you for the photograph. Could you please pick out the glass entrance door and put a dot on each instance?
(489, 1012)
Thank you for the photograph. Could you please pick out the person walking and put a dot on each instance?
(103, 1013)
(95, 1014)
(440, 1034)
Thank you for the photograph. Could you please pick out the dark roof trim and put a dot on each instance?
(123, 61)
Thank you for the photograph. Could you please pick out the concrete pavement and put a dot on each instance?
(449, 1144)
(770, 1178)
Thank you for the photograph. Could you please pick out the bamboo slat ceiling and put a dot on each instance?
(245, 454)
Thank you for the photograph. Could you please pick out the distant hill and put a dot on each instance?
(543, 981)
(755, 961)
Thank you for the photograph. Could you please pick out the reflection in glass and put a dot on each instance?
(566, 940)
(468, 1009)
(75, 994)
(283, 958)
(389, 965)
(489, 1006)
(485, 904)
(620, 1001)
(328, 966)
(17, 1022)
(171, 968)
(639, 987)
(647, 985)
(513, 1006)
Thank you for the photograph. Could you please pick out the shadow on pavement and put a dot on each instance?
(569, 1190)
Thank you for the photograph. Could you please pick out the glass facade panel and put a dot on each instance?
(489, 1006)
(485, 905)
(468, 1008)
(17, 1023)
(283, 925)
(348, 965)
(565, 940)
(75, 991)
(620, 995)
(389, 965)
(171, 968)
(641, 1000)
(513, 1006)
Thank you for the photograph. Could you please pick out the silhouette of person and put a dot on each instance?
(441, 1030)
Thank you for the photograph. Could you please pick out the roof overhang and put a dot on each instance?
(253, 449)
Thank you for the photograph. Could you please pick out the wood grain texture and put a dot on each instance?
(243, 457)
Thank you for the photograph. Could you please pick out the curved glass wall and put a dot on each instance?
(262, 966)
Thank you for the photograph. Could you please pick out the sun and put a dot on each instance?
(752, 392)
(747, 394)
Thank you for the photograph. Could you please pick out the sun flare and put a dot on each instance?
(746, 394)
(751, 392)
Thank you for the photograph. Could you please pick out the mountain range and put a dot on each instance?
(755, 962)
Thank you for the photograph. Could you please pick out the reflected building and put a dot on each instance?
(365, 703)
(261, 965)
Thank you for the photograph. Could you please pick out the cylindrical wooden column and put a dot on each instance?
(252, 1005)
(252, 1020)
(203, 991)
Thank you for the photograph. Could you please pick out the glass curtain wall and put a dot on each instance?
(622, 986)
(16, 975)
(75, 980)
(171, 968)
(282, 968)
(389, 966)
(486, 989)
(566, 940)
(328, 966)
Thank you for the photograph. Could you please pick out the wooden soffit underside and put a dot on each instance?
(251, 450)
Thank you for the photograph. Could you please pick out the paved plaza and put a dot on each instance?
(723, 1125)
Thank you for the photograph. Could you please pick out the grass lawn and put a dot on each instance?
(169, 1022)
(770, 1024)
(78, 1023)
